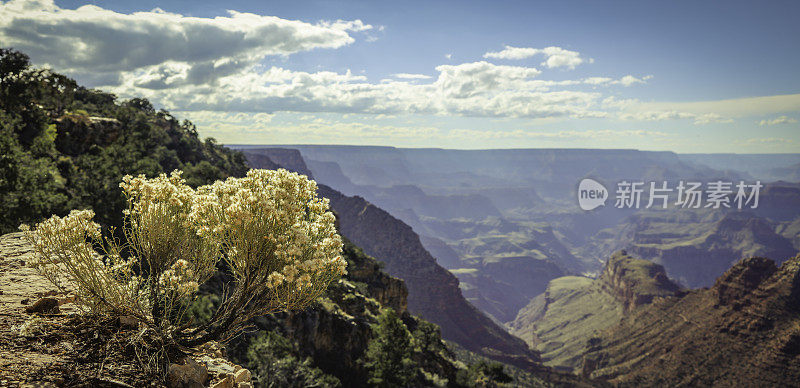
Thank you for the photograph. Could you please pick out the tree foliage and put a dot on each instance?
(389, 355)
(63, 146)
(272, 360)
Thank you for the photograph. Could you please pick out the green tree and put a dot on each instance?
(272, 360)
(493, 371)
(389, 353)
(65, 147)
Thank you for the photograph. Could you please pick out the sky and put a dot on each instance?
(683, 76)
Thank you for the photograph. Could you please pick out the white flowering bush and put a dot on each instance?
(279, 242)
(276, 238)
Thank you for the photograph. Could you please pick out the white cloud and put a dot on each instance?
(469, 89)
(170, 47)
(555, 56)
(448, 56)
(228, 118)
(707, 112)
(243, 127)
(410, 76)
(629, 80)
(698, 119)
(314, 131)
(347, 25)
(598, 80)
(711, 118)
(208, 65)
(513, 53)
(626, 81)
(469, 79)
(778, 121)
(656, 115)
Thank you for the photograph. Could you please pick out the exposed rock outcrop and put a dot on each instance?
(49, 343)
(635, 282)
(572, 309)
(742, 330)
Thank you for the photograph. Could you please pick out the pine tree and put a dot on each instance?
(389, 352)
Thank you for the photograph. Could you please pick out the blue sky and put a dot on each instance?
(686, 76)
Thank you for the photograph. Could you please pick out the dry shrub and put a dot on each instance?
(276, 236)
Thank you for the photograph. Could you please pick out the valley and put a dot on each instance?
(506, 222)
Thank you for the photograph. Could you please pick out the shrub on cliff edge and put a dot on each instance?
(276, 237)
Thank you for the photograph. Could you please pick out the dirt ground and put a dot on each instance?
(57, 348)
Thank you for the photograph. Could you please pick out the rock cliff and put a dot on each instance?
(696, 260)
(272, 158)
(433, 291)
(743, 329)
(335, 331)
(572, 309)
(635, 282)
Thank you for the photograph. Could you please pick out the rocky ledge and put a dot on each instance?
(635, 282)
(46, 342)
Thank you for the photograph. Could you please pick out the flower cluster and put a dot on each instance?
(179, 279)
(66, 256)
(32, 327)
(275, 228)
(74, 230)
(163, 234)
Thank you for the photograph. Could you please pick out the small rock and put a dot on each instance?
(224, 383)
(44, 305)
(236, 368)
(127, 322)
(25, 301)
(189, 375)
(217, 366)
(242, 376)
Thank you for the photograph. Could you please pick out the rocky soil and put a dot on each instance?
(46, 342)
